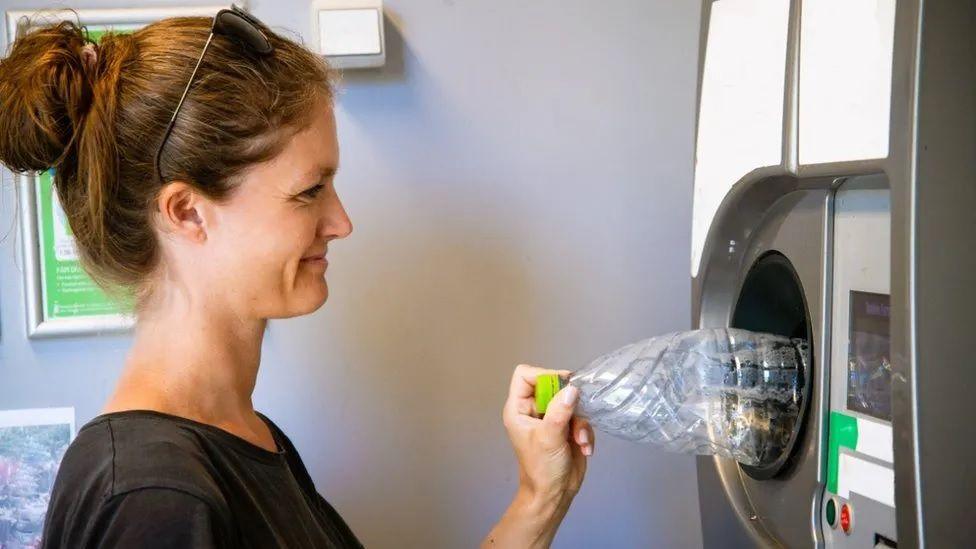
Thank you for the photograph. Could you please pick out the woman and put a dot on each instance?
(214, 209)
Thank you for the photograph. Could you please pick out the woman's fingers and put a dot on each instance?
(523, 381)
(521, 392)
(583, 435)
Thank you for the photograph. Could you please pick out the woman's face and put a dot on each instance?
(271, 235)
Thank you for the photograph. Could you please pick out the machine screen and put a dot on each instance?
(869, 362)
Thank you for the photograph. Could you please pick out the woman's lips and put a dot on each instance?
(316, 261)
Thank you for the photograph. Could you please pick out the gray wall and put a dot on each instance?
(519, 175)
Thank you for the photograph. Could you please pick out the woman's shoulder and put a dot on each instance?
(122, 452)
(125, 476)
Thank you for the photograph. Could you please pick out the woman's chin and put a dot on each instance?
(315, 300)
(307, 300)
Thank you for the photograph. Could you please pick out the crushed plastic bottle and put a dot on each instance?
(727, 392)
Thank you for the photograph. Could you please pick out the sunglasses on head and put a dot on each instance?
(236, 24)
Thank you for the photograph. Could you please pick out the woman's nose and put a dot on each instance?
(337, 223)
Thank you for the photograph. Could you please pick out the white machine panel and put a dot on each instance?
(740, 118)
(845, 79)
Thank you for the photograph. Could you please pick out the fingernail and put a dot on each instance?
(587, 451)
(584, 437)
(569, 395)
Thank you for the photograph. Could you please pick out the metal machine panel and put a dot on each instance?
(742, 510)
(860, 473)
(929, 239)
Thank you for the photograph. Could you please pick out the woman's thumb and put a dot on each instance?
(559, 413)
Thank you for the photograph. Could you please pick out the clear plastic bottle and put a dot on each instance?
(727, 392)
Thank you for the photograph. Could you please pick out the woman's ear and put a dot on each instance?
(182, 211)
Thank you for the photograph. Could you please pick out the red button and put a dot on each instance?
(845, 518)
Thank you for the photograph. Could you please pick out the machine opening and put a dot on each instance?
(771, 300)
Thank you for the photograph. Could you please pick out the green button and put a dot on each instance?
(831, 513)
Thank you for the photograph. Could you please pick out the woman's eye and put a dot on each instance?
(312, 192)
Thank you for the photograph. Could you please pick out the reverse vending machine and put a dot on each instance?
(835, 200)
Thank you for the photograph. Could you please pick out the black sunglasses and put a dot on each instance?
(234, 23)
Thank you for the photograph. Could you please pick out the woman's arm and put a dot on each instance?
(528, 522)
(551, 452)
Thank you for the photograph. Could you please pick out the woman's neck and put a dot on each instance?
(194, 363)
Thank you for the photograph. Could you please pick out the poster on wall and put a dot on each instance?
(32, 443)
(62, 299)
(66, 290)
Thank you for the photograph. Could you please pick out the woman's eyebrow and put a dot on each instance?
(320, 172)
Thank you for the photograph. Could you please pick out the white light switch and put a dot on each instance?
(351, 32)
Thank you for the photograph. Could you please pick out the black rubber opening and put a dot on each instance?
(771, 300)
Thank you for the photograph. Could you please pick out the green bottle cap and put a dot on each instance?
(546, 387)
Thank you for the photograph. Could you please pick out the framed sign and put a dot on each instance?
(97, 21)
(62, 300)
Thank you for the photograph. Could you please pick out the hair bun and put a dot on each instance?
(45, 93)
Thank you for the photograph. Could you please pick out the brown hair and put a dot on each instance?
(99, 124)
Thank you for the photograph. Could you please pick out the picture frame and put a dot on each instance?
(52, 273)
(61, 300)
(22, 21)
(32, 446)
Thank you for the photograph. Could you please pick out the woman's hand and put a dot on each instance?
(551, 462)
(551, 452)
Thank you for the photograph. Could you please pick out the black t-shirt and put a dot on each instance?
(141, 478)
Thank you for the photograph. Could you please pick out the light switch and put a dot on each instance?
(351, 32)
